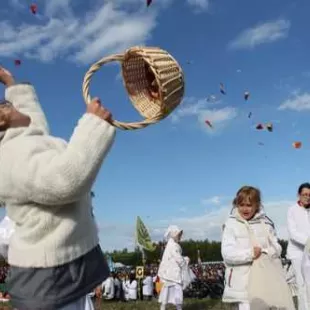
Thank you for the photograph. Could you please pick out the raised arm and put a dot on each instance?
(47, 174)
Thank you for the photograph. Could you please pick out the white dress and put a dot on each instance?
(171, 273)
(171, 293)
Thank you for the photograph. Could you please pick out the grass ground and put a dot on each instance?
(188, 305)
(193, 304)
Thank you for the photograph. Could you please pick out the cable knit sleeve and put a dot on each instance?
(44, 175)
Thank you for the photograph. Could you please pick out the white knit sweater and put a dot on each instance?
(46, 182)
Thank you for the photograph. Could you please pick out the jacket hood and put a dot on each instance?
(25, 100)
(257, 217)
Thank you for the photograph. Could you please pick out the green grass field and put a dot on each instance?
(140, 305)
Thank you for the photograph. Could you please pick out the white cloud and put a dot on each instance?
(219, 118)
(263, 33)
(215, 200)
(84, 39)
(200, 109)
(299, 102)
(200, 5)
(207, 225)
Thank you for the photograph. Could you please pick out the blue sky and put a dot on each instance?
(178, 171)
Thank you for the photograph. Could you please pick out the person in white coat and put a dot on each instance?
(131, 287)
(171, 270)
(299, 232)
(237, 248)
(108, 288)
(46, 185)
(148, 287)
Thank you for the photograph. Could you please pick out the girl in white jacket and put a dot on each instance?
(237, 249)
(171, 270)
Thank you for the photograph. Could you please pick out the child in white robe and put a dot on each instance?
(171, 270)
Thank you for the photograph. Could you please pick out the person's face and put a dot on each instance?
(179, 236)
(11, 118)
(304, 197)
(247, 210)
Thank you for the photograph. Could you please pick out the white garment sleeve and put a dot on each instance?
(275, 242)
(7, 228)
(177, 255)
(231, 252)
(294, 231)
(43, 174)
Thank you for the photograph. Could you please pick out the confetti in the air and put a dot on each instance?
(209, 123)
(246, 95)
(259, 126)
(222, 89)
(17, 62)
(33, 8)
(269, 127)
(297, 145)
(148, 2)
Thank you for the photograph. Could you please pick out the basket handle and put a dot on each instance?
(85, 89)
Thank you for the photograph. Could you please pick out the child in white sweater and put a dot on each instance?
(45, 183)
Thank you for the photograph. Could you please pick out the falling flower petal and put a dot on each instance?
(297, 145)
(209, 123)
(222, 89)
(269, 127)
(33, 8)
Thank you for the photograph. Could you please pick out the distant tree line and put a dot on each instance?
(209, 251)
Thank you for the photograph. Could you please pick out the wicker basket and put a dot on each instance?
(153, 79)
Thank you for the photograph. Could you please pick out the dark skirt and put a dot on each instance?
(55, 287)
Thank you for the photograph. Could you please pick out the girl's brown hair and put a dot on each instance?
(248, 194)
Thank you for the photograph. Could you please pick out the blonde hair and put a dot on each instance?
(248, 194)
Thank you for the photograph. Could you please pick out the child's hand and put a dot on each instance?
(97, 109)
(257, 252)
(6, 78)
